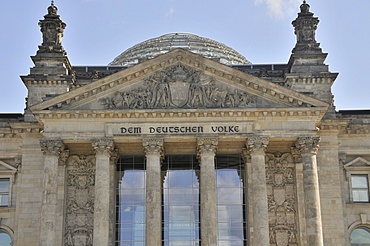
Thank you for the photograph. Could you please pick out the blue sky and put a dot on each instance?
(99, 30)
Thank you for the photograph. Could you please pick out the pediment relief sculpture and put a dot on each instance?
(180, 87)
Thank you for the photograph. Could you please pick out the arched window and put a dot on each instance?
(360, 237)
(5, 239)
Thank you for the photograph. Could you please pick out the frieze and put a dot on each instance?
(179, 87)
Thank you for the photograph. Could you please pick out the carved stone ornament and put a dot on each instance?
(308, 145)
(179, 87)
(257, 145)
(207, 146)
(282, 200)
(103, 146)
(79, 218)
(52, 29)
(153, 146)
(51, 147)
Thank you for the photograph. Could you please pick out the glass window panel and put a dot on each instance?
(4, 185)
(360, 190)
(230, 201)
(360, 237)
(359, 181)
(5, 239)
(4, 200)
(180, 202)
(130, 215)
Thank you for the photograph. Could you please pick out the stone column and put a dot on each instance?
(208, 197)
(52, 150)
(257, 147)
(154, 155)
(308, 147)
(103, 149)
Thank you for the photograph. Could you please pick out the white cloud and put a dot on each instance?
(170, 12)
(280, 8)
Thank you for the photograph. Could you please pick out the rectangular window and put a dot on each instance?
(130, 201)
(4, 192)
(360, 188)
(231, 214)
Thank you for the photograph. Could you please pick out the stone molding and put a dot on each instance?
(103, 146)
(308, 145)
(51, 147)
(257, 145)
(206, 146)
(153, 146)
(318, 113)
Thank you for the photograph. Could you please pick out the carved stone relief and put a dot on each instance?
(80, 187)
(179, 87)
(282, 200)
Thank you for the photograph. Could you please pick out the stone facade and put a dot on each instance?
(59, 157)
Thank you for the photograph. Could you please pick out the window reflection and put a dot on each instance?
(5, 239)
(180, 202)
(230, 201)
(360, 237)
(360, 188)
(131, 202)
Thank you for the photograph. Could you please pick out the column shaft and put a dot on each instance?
(154, 154)
(256, 147)
(52, 150)
(308, 147)
(208, 196)
(103, 149)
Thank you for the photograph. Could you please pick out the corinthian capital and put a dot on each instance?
(257, 145)
(207, 146)
(308, 144)
(51, 147)
(153, 146)
(103, 146)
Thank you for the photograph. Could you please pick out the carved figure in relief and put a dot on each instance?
(178, 87)
(292, 235)
(162, 96)
(69, 237)
(196, 95)
(117, 99)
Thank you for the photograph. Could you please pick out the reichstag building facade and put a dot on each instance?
(181, 141)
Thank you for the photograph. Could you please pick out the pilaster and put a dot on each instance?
(52, 150)
(103, 149)
(153, 148)
(208, 197)
(257, 147)
(308, 147)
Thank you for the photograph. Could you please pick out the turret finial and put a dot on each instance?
(305, 7)
(52, 2)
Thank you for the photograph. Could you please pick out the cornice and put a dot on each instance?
(357, 129)
(315, 113)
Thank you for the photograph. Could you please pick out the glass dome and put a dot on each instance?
(163, 44)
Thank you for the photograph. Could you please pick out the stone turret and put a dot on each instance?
(307, 72)
(52, 74)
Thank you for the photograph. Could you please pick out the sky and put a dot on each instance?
(99, 30)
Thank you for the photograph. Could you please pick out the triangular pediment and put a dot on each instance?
(178, 80)
(5, 167)
(359, 162)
